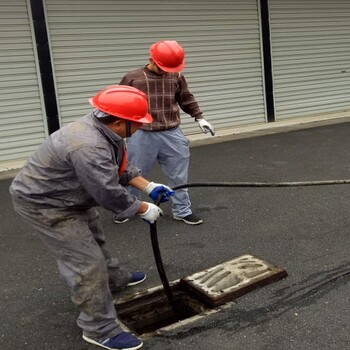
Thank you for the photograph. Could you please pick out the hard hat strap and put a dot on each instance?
(128, 128)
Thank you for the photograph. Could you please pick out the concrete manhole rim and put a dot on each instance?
(146, 310)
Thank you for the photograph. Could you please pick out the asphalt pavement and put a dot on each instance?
(305, 230)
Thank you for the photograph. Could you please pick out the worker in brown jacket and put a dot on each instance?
(162, 140)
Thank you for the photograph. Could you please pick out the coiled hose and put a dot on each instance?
(153, 227)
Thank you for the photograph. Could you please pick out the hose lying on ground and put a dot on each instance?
(153, 227)
(263, 184)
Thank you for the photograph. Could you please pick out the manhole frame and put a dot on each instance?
(209, 305)
(147, 294)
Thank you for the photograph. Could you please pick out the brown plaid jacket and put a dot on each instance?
(166, 94)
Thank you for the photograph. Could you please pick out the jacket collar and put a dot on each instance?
(110, 135)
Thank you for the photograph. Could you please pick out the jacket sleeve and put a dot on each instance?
(186, 100)
(98, 175)
(129, 173)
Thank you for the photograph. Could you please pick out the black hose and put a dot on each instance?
(159, 262)
(263, 184)
(163, 277)
(153, 227)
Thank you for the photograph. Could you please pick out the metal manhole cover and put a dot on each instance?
(232, 279)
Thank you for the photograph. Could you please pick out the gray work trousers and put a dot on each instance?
(76, 239)
(171, 149)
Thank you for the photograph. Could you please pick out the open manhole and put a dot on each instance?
(151, 310)
(197, 295)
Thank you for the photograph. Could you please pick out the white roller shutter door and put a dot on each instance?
(311, 56)
(94, 43)
(21, 118)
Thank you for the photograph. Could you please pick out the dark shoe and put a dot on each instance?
(122, 221)
(122, 341)
(191, 219)
(137, 277)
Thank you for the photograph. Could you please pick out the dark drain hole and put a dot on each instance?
(147, 313)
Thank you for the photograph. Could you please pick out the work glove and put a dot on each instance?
(152, 213)
(154, 190)
(205, 126)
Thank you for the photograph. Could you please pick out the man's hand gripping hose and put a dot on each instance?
(152, 213)
(154, 190)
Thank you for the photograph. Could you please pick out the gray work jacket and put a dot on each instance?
(77, 167)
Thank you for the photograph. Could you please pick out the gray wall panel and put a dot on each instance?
(311, 56)
(94, 43)
(21, 119)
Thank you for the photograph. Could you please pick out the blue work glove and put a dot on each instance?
(205, 126)
(152, 213)
(154, 190)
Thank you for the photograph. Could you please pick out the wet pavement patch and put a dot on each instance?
(197, 295)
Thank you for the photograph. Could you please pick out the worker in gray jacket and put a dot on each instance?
(79, 167)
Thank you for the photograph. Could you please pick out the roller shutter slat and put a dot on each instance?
(21, 118)
(95, 43)
(311, 56)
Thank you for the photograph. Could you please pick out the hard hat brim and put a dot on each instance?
(171, 69)
(146, 119)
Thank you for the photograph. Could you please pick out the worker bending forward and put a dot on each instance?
(77, 168)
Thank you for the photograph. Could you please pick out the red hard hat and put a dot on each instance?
(123, 101)
(168, 55)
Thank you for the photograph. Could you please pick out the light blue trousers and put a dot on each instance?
(171, 149)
